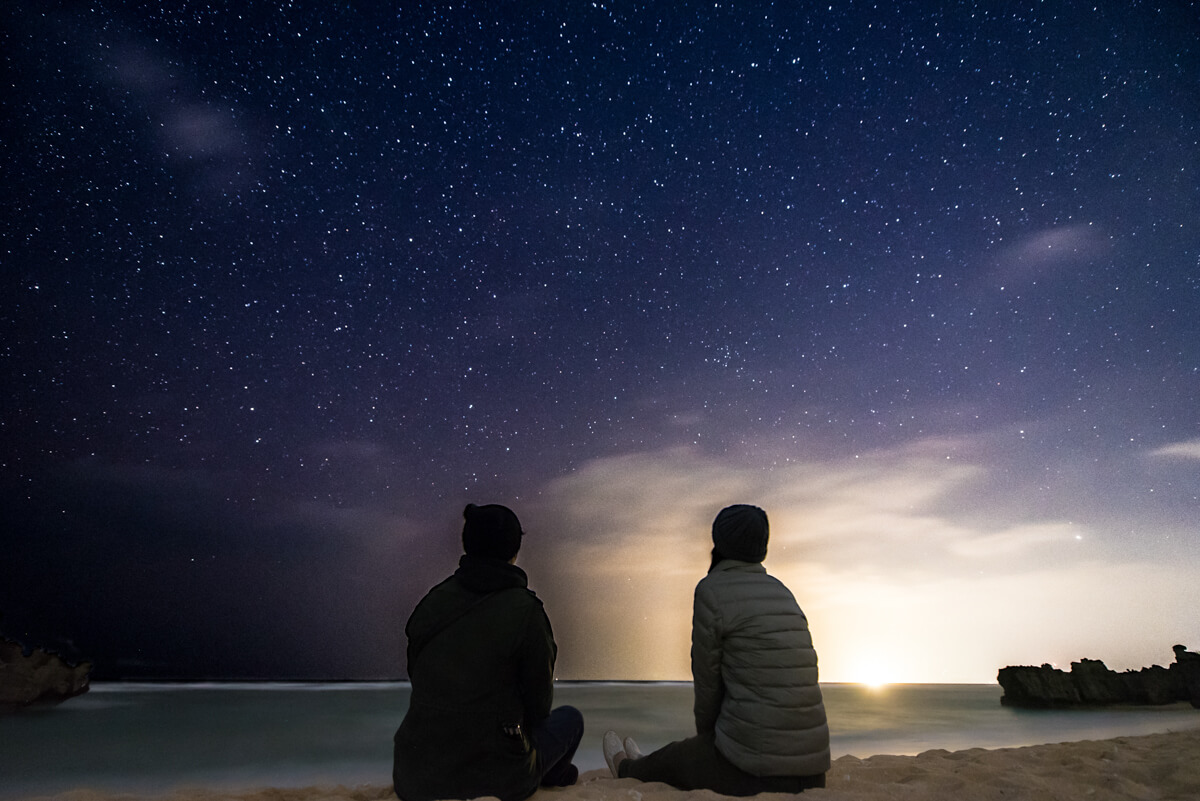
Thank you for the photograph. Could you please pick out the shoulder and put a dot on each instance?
(534, 603)
(521, 602)
(708, 587)
(748, 587)
(718, 588)
(441, 593)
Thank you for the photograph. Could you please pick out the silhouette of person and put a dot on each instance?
(481, 661)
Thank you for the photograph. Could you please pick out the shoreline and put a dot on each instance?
(1164, 765)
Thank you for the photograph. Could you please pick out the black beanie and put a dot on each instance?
(491, 531)
(740, 532)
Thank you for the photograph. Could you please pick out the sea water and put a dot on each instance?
(152, 738)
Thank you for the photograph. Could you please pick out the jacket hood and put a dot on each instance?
(483, 574)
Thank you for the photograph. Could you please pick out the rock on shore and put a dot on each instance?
(1091, 683)
(38, 677)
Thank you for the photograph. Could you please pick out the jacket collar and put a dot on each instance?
(738, 565)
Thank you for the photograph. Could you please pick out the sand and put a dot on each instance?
(1155, 766)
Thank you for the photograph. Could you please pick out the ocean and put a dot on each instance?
(152, 738)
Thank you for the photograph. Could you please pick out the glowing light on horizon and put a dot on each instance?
(873, 676)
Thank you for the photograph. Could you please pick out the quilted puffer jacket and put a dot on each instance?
(755, 673)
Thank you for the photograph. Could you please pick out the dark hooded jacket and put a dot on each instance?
(481, 660)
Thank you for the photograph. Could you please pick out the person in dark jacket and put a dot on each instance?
(760, 718)
(481, 661)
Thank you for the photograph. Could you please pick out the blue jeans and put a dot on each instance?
(555, 740)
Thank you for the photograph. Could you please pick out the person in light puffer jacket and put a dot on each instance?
(760, 718)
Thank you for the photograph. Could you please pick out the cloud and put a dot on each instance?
(1016, 540)
(894, 508)
(1040, 255)
(1189, 449)
(887, 553)
(915, 563)
(199, 130)
(191, 130)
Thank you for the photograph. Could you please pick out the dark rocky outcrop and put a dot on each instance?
(1188, 666)
(37, 676)
(1040, 687)
(1091, 683)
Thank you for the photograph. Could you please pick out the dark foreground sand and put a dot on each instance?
(1155, 766)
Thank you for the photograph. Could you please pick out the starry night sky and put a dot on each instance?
(285, 285)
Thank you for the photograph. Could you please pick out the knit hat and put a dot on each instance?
(491, 531)
(740, 532)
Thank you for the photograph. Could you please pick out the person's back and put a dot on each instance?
(759, 690)
(760, 718)
(481, 662)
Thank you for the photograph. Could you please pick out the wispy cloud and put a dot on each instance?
(1189, 449)
(1017, 540)
(189, 127)
(1040, 256)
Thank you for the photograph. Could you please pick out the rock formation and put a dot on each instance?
(1188, 665)
(1091, 683)
(37, 677)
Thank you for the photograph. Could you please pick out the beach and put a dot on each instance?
(1155, 766)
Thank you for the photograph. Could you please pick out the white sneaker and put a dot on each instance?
(631, 749)
(613, 753)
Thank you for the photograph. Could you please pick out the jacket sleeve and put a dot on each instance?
(538, 654)
(706, 659)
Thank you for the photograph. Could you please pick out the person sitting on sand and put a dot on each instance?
(481, 660)
(760, 718)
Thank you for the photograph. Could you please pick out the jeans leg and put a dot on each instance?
(696, 764)
(684, 764)
(556, 739)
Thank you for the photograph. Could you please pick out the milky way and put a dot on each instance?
(284, 288)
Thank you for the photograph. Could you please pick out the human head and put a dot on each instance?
(491, 531)
(740, 532)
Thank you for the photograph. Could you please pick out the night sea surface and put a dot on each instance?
(151, 738)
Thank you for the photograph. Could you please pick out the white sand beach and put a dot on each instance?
(1155, 766)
